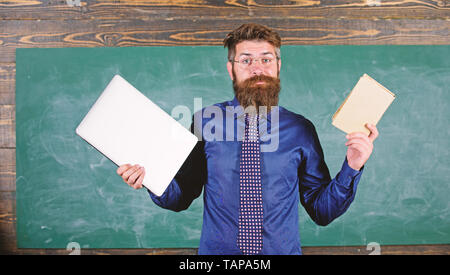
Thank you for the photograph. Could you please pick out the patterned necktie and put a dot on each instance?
(250, 210)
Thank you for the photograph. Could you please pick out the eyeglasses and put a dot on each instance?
(245, 61)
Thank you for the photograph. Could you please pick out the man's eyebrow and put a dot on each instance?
(249, 54)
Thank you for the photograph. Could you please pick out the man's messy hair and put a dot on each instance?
(251, 31)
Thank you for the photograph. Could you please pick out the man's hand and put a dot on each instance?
(132, 175)
(360, 147)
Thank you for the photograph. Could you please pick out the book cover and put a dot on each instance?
(366, 103)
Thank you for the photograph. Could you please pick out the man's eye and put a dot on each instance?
(267, 60)
(245, 61)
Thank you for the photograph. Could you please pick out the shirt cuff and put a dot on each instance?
(348, 174)
(166, 200)
(158, 199)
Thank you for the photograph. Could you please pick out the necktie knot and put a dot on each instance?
(251, 127)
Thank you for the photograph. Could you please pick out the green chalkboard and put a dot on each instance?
(68, 192)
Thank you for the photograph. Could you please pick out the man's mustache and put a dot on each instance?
(258, 78)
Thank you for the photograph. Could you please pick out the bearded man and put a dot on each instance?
(251, 194)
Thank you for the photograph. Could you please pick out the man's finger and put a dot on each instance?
(362, 143)
(122, 169)
(138, 184)
(373, 131)
(358, 147)
(132, 179)
(358, 135)
(130, 171)
(364, 139)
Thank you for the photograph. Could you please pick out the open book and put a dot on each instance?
(366, 103)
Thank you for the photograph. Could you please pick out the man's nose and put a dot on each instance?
(256, 68)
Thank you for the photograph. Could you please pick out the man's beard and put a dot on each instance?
(248, 93)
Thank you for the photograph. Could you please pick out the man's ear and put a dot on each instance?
(230, 69)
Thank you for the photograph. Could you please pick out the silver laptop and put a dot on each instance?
(127, 127)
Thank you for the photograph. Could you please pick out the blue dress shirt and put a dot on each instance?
(294, 173)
